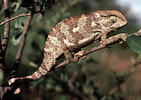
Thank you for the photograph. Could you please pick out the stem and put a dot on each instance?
(4, 43)
(66, 62)
(3, 47)
(21, 47)
(7, 27)
(21, 15)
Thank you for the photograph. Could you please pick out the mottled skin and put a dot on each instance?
(75, 32)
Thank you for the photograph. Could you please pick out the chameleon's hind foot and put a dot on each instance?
(79, 54)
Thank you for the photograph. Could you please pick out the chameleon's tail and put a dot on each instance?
(42, 70)
(50, 55)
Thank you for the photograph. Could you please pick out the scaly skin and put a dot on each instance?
(72, 34)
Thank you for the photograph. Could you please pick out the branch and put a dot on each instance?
(4, 43)
(7, 28)
(85, 53)
(66, 62)
(74, 89)
(101, 46)
(6, 91)
(23, 40)
(23, 15)
(21, 47)
(3, 47)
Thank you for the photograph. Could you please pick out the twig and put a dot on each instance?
(118, 87)
(74, 89)
(21, 47)
(7, 27)
(136, 33)
(3, 47)
(6, 91)
(110, 93)
(66, 62)
(21, 15)
(23, 40)
(5, 40)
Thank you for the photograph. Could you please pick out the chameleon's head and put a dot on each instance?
(109, 19)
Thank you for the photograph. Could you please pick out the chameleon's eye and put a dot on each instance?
(113, 19)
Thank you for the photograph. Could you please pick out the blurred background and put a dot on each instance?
(108, 74)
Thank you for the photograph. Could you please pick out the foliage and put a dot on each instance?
(135, 43)
(105, 74)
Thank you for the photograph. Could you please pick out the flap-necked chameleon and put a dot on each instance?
(75, 32)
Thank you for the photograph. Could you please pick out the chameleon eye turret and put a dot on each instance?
(113, 19)
(121, 20)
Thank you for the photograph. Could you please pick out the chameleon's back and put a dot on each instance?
(66, 33)
(71, 33)
(74, 31)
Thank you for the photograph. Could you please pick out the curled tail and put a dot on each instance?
(52, 51)
(42, 70)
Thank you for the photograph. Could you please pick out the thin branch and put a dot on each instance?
(21, 15)
(3, 47)
(110, 93)
(7, 27)
(5, 40)
(74, 89)
(101, 46)
(23, 40)
(21, 47)
(6, 91)
(66, 62)
(85, 53)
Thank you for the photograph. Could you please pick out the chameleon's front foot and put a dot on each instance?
(113, 39)
(77, 55)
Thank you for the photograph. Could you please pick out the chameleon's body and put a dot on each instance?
(75, 32)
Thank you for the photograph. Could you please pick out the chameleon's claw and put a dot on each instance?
(79, 54)
(103, 43)
(83, 57)
(75, 59)
(120, 41)
(17, 91)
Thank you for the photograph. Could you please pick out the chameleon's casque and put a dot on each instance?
(72, 34)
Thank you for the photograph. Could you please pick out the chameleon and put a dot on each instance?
(74, 33)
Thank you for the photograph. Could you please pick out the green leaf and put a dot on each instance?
(134, 43)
